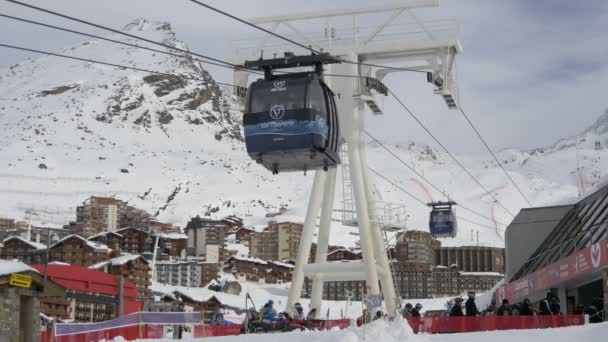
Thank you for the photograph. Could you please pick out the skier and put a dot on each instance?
(504, 309)
(407, 311)
(545, 304)
(299, 312)
(416, 310)
(457, 308)
(471, 307)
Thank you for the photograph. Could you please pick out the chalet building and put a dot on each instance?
(279, 241)
(76, 250)
(38, 234)
(258, 270)
(137, 241)
(21, 249)
(208, 306)
(243, 234)
(92, 295)
(173, 244)
(343, 254)
(207, 238)
(210, 271)
(113, 240)
(133, 268)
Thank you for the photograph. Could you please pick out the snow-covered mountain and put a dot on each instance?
(166, 144)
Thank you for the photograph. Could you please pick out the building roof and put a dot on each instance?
(82, 279)
(118, 261)
(494, 274)
(282, 264)
(580, 227)
(249, 259)
(173, 236)
(94, 245)
(14, 266)
(104, 234)
(35, 245)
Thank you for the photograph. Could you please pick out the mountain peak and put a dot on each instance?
(600, 126)
(143, 24)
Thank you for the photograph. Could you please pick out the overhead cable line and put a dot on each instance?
(448, 152)
(425, 179)
(373, 65)
(96, 61)
(248, 23)
(493, 155)
(418, 199)
(111, 40)
(82, 21)
(84, 59)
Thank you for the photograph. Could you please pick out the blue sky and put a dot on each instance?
(531, 72)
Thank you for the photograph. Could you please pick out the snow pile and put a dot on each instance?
(399, 331)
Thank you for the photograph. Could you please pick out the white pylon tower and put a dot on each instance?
(429, 47)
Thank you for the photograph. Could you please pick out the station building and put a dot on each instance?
(562, 250)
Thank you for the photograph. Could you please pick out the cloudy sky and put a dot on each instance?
(531, 72)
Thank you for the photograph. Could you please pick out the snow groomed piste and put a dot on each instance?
(152, 325)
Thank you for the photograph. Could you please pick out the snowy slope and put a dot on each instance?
(69, 130)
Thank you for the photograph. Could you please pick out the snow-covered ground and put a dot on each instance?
(399, 331)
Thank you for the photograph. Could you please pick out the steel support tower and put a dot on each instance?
(416, 45)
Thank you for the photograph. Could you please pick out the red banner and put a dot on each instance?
(435, 325)
(580, 263)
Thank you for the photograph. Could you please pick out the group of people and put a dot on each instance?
(550, 305)
(269, 315)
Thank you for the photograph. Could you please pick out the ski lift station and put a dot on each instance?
(303, 104)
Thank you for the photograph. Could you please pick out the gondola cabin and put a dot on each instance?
(442, 219)
(291, 121)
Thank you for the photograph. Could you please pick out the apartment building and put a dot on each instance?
(258, 270)
(179, 273)
(472, 258)
(207, 238)
(279, 241)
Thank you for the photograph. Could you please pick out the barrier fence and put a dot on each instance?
(151, 325)
(138, 325)
(434, 325)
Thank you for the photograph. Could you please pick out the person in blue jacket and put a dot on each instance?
(270, 314)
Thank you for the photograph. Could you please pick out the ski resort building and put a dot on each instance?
(472, 258)
(76, 250)
(207, 238)
(279, 241)
(258, 270)
(133, 268)
(16, 247)
(562, 250)
(92, 295)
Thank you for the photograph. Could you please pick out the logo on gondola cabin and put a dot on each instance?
(279, 86)
(277, 112)
(596, 255)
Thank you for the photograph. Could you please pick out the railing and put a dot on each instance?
(434, 325)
